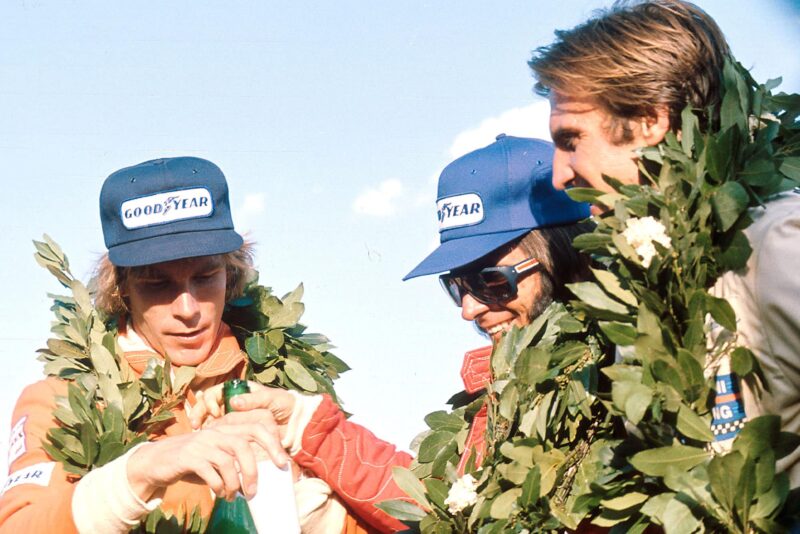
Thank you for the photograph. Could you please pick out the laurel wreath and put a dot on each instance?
(578, 435)
(108, 409)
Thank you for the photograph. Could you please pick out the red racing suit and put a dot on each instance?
(358, 466)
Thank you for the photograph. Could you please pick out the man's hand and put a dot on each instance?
(223, 455)
(210, 404)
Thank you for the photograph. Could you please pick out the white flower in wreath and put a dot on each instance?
(641, 233)
(462, 494)
(756, 123)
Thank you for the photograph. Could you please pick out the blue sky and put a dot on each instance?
(331, 122)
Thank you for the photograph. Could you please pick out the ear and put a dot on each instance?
(654, 128)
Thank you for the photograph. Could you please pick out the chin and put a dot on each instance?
(193, 357)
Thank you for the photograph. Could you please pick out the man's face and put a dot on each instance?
(497, 319)
(584, 150)
(177, 306)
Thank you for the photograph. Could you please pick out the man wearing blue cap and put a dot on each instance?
(506, 238)
(500, 223)
(173, 262)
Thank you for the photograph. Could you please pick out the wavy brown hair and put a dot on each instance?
(636, 58)
(561, 262)
(109, 280)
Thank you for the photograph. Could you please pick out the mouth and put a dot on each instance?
(578, 181)
(190, 336)
(498, 329)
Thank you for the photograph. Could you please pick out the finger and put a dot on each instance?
(279, 401)
(198, 413)
(203, 457)
(255, 386)
(209, 475)
(213, 399)
(208, 404)
(248, 471)
(260, 427)
(227, 454)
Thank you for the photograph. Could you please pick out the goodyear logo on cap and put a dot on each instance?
(459, 210)
(166, 207)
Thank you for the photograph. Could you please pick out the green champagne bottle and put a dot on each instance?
(232, 517)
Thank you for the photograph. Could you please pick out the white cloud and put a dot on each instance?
(252, 208)
(380, 201)
(528, 121)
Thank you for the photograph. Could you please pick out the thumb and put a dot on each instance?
(278, 401)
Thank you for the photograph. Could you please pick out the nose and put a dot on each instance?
(185, 306)
(562, 171)
(471, 308)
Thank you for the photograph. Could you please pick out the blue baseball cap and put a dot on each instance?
(491, 197)
(166, 209)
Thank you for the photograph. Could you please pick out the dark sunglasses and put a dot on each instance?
(490, 285)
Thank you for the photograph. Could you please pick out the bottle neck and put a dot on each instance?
(231, 389)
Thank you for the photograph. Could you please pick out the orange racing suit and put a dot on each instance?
(38, 495)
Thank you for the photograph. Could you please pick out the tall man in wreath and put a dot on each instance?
(619, 82)
(173, 262)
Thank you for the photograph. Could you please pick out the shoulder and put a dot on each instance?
(780, 211)
(775, 231)
(32, 419)
(42, 392)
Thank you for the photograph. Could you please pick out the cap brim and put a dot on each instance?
(175, 247)
(459, 252)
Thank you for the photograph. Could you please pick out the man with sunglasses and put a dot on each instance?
(509, 253)
(506, 237)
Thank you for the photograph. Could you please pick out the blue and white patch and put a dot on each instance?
(728, 413)
(39, 474)
(459, 210)
(16, 444)
(167, 207)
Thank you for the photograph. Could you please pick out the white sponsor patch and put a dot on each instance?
(16, 444)
(39, 474)
(167, 207)
(460, 210)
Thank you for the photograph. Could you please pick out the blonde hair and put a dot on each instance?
(109, 280)
(636, 58)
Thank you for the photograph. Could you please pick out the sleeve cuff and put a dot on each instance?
(318, 508)
(304, 408)
(104, 501)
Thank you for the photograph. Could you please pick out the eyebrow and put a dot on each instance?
(564, 135)
(202, 265)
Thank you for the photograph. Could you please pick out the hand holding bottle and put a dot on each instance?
(210, 404)
(222, 455)
(272, 507)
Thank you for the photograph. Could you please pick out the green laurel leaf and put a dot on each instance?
(301, 376)
(402, 510)
(594, 296)
(657, 461)
(729, 202)
(409, 483)
(790, 167)
(693, 426)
